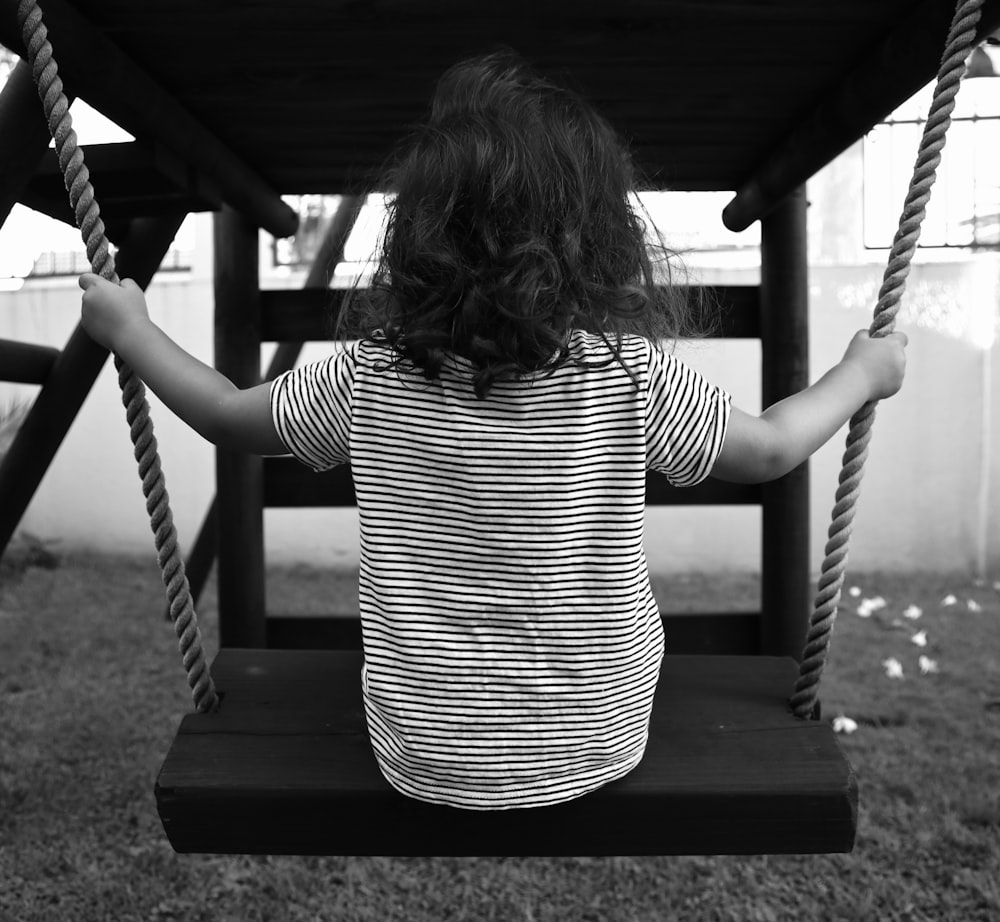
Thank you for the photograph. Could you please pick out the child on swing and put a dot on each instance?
(507, 394)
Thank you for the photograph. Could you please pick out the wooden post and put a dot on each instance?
(70, 380)
(785, 586)
(239, 477)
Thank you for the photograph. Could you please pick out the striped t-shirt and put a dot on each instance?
(511, 639)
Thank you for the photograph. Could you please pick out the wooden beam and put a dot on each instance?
(70, 380)
(891, 73)
(239, 476)
(94, 67)
(117, 214)
(122, 165)
(289, 484)
(25, 137)
(131, 180)
(786, 561)
(26, 363)
(298, 315)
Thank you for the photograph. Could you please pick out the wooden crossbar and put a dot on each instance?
(308, 314)
(285, 767)
(135, 179)
(289, 484)
(26, 363)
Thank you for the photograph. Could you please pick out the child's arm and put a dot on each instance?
(765, 447)
(117, 318)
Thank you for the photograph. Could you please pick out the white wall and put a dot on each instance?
(922, 501)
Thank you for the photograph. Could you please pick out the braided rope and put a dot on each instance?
(88, 219)
(961, 38)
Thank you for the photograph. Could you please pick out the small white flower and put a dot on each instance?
(893, 668)
(913, 612)
(949, 600)
(855, 591)
(996, 586)
(973, 605)
(868, 606)
(844, 724)
(920, 638)
(927, 665)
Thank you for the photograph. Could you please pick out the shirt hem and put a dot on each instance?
(493, 801)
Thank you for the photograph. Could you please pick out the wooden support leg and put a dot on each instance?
(70, 380)
(330, 252)
(25, 135)
(785, 589)
(239, 477)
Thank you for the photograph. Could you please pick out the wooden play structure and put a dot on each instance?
(234, 104)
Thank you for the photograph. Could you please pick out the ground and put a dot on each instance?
(91, 692)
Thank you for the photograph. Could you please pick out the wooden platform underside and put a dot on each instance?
(285, 767)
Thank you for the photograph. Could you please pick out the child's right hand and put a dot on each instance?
(881, 359)
(107, 309)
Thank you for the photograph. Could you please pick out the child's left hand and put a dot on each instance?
(108, 309)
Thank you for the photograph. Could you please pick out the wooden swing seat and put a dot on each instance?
(285, 767)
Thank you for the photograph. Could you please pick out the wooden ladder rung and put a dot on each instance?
(289, 484)
(305, 314)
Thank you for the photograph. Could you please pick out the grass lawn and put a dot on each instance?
(91, 692)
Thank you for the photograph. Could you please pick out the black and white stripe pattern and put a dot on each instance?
(512, 642)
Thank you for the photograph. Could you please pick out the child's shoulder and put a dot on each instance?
(364, 352)
(598, 345)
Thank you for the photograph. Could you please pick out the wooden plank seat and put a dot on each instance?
(285, 767)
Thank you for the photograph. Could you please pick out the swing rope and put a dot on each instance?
(961, 38)
(87, 212)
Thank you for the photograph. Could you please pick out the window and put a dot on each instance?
(964, 210)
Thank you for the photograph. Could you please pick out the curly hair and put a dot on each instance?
(510, 224)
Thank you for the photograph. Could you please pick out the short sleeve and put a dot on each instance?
(311, 408)
(686, 420)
